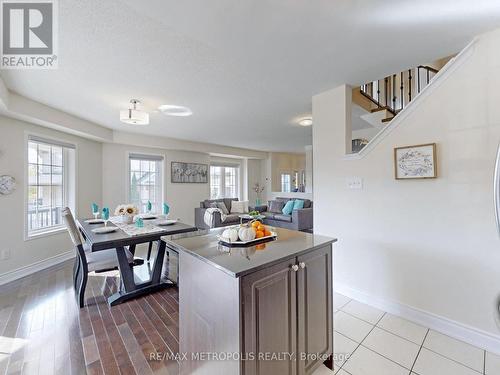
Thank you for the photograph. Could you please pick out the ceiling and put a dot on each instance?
(247, 69)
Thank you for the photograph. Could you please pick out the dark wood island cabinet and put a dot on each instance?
(258, 310)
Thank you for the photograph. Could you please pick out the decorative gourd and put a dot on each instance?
(230, 234)
(246, 233)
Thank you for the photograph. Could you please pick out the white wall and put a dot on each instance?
(309, 169)
(12, 160)
(428, 244)
(182, 198)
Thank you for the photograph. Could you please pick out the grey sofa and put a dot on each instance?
(299, 219)
(199, 214)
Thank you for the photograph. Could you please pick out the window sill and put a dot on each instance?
(45, 233)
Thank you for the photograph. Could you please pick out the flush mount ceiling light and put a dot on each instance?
(175, 110)
(306, 121)
(133, 115)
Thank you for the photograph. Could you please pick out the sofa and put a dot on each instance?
(199, 214)
(301, 219)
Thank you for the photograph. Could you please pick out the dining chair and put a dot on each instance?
(88, 261)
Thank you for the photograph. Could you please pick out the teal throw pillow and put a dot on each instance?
(287, 210)
(298, 204)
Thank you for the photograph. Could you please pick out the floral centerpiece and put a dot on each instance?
(126, 212)
(258, 188)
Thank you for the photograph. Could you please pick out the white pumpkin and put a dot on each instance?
(246, 233)
(230, 234)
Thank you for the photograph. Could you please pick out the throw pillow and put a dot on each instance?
(287, 210)
(298, 204)
(212, 205)
(239, 207)
(223, 208)
(276, 207)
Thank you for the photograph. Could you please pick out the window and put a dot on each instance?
(224, 181)
(51, 184)
(285, 183)
(146, 181)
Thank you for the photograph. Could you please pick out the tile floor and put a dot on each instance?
(371, 342)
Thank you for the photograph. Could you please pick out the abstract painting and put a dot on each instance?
(189, 173)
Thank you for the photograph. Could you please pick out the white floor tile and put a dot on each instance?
(459, 351)
(342, 372)
(492, 365)
(404, 328)
(362, 311)
(393, 347)
(430, 363)
(343, 348)
(354, 328)
(366, 362)
(339, 301)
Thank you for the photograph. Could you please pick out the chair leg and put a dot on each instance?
(81, 289)
(150, 247)
(76, 270)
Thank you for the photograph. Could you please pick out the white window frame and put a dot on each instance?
(223, 179)
(69, 182)
(284, 190)
(152, 157)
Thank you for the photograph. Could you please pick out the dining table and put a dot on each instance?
(128, 235)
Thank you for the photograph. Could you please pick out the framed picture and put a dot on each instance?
(193, 173)
(413, 162)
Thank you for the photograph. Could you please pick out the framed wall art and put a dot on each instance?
(415, 162)
(193, 173)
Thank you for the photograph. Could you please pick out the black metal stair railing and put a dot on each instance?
(395, 92)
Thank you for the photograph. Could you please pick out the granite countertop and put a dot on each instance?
(239, 261)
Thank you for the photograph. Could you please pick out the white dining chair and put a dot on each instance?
(87, 261)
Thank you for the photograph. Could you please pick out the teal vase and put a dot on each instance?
(257, 202)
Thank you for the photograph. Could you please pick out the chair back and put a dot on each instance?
(71, 225)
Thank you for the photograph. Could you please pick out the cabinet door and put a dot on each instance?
(270, 319)
(315, 330)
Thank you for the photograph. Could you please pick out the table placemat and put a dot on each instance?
(132, 230)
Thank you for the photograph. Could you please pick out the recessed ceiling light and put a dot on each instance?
(306, 121)
(175, 110)
(133, 115)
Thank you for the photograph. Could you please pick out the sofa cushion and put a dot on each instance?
(307, 203)
(227, 202)
(239, 207)
(287, 210)
(276, 206)
(298, 204)
(232, 218)
(222, 206)
(207, 203)
(281, 217)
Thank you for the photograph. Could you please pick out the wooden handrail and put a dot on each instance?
(408, 88)
(428, 68)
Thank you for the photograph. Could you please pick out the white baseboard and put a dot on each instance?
(463, 332)
(38, 266)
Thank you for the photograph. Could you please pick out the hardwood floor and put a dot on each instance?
(42, 330)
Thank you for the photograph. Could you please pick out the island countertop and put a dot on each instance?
(239, 261)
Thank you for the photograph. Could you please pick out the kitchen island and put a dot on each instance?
(264, 309)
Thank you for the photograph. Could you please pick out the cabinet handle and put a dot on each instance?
(302, 265)
(295, 268)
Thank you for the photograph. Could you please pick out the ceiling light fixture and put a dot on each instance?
(306, 121)
(175, 110)
(133, 115)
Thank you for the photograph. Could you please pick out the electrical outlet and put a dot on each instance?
(5, 254)
(355, 183)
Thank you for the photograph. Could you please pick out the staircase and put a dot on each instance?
(385, 98)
